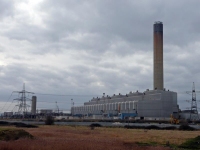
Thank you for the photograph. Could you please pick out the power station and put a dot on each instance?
(155, 104)
(150, 104)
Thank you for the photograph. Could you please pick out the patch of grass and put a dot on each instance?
(191, 143)
(13, 134)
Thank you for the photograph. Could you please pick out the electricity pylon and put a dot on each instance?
(23, 107)
(193, 111)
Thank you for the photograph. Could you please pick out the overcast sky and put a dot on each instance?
(90, 47)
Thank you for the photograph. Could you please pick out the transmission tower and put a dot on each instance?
(23, 107)
(193, 112)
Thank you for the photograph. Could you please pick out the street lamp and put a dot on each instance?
(72, 107)
(104, 102)
(128, 116)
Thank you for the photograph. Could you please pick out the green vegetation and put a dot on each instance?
(181, 127)
(151, 127)
(13, 134)
(95, 125)
(193, 143)
(20, 124)
(17, 124)
(186, 128)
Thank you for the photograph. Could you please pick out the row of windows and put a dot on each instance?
(130, 105)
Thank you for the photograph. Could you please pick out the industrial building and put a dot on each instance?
(151, 104)
(8, 114)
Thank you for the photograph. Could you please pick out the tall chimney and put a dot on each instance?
(33, 106)
(158, 55)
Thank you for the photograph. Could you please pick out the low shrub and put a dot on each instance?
(20, 124)
(142, 127)
(186, 128)
(134, 127)
(95, 125)
(150, 127)
(169, 128)
(14, 134)
(49, 120)
(153, 127)
(4, 123)
(191, 143)
(27, 126)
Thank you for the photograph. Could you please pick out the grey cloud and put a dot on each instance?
(108, 25)
(6, 8)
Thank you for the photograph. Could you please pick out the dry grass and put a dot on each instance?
(159, 136)
(83, 138)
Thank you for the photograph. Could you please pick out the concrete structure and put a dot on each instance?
(33, 105)
(158, 104)
(158, 55)
(185, 114)
(8, 114)
(151, 104)
(46, 111)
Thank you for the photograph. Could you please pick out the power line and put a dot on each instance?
(64, 94)
(9, 105)
(58, 102)
(188, 92)
(6, 101)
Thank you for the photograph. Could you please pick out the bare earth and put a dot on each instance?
(83, 138)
